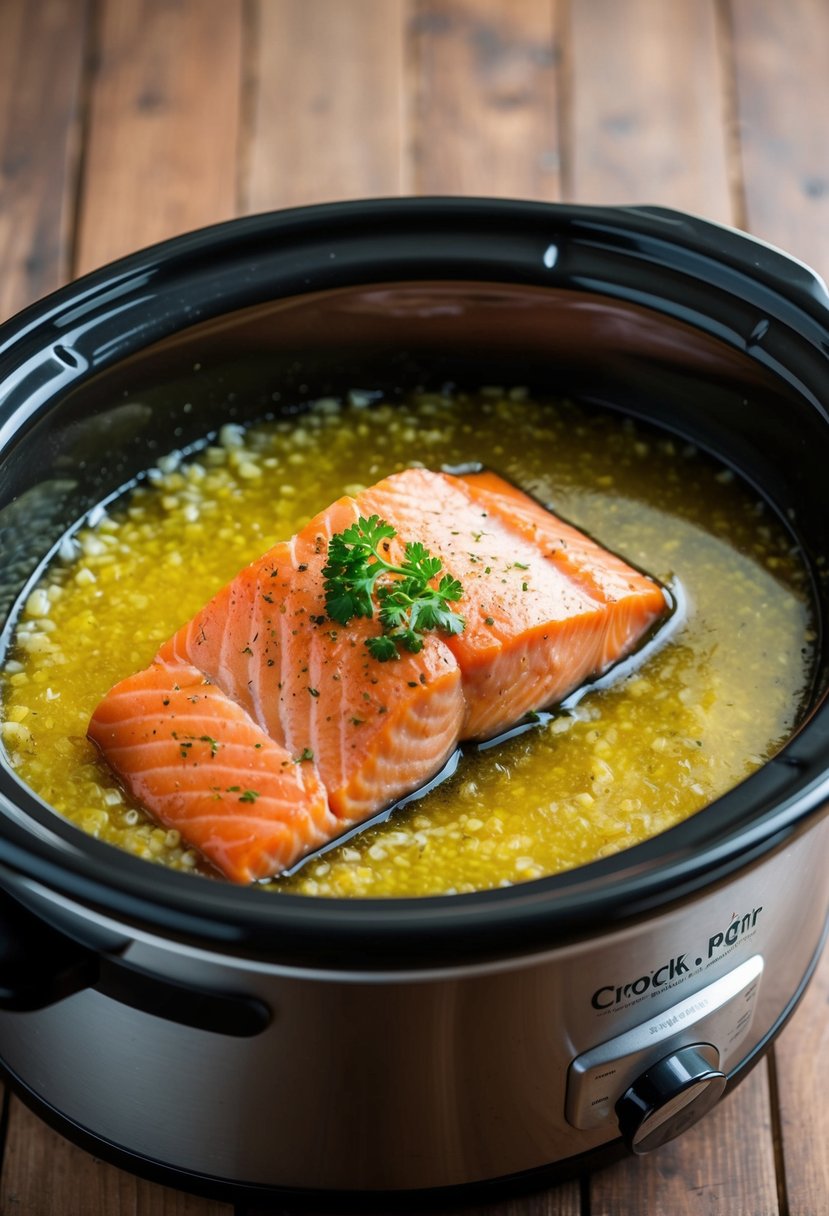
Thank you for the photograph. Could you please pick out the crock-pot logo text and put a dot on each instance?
(673, 969)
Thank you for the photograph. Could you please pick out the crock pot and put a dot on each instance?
(229, 1041)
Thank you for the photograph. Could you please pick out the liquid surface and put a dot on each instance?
(624, 763)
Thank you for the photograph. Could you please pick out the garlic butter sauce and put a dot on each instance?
(623, 763)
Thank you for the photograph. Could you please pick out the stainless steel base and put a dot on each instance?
(373, 1083)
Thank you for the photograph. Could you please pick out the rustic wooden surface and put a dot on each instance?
(126, 121)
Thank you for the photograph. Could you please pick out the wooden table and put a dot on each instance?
(126, 121)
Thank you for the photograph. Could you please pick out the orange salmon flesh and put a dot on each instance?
(264, 730)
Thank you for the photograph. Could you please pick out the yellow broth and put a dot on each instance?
(624, 763)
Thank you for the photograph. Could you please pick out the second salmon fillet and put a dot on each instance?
(546, 607)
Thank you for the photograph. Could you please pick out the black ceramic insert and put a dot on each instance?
(689, 326)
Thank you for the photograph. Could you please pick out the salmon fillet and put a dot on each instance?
(264, 729)
(196, 760)
(546, 608)
(375, 730)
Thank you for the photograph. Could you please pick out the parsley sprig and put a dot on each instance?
(358, 575)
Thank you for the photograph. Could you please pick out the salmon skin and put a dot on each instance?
(264, 729)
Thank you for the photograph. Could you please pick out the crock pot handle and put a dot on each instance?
(780, 271)
(38, 965)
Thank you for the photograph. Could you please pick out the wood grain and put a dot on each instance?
(45, 1175)
(163, 130)
(325, 102)
(41, 70)
(724, 1164)
(483, 82)
(644, 105)
(781, 53)
(802, 1062)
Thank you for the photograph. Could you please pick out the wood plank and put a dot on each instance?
(645, 99)
(325, 101)
(781, 52)
(802, 1062)
(723, 1164)
(45, 1175)
(483, 76)
(39, 117)
(163, 129)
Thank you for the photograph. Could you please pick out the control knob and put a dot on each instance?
(670, 1096)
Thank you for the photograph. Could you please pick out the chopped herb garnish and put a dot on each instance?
(408, 605)
(384, 647)
(249, 796)
(246, 650)
(489, 620)
(305, 754)
(520, 566)
(314, 692)
(214, 745)
(357, 721)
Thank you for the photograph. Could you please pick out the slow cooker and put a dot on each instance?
(228, 1041)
